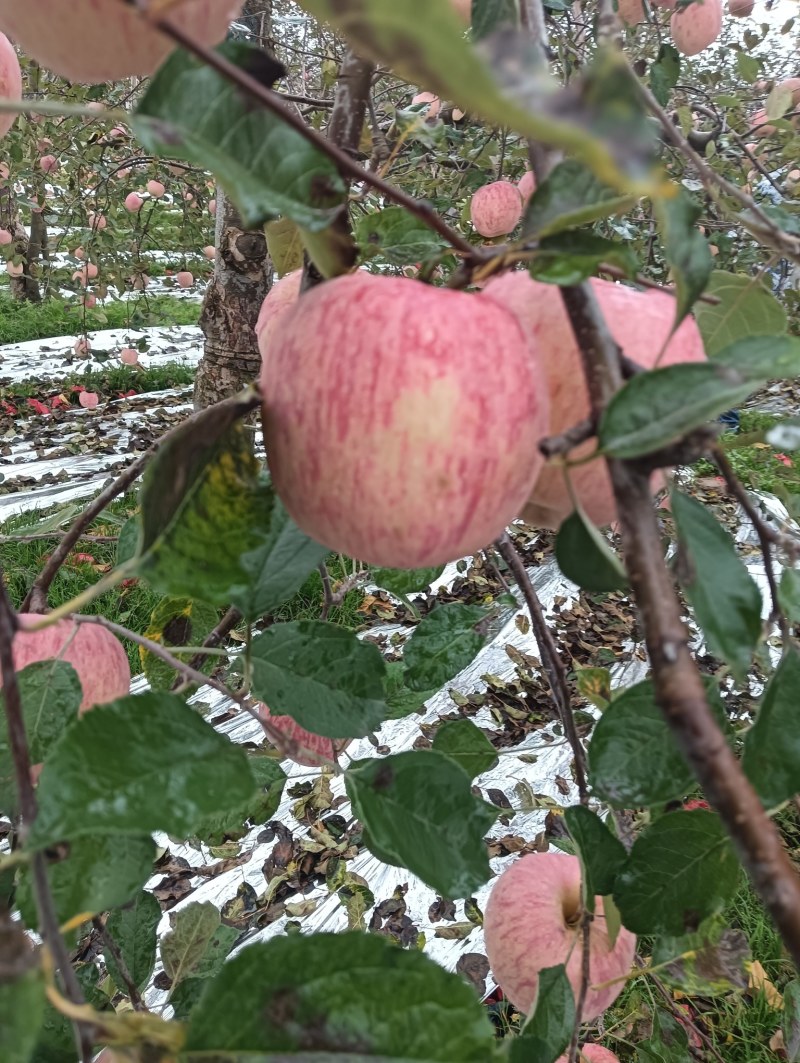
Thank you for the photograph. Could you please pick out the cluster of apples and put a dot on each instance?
(693, 27)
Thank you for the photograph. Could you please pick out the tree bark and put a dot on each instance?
(26, 286)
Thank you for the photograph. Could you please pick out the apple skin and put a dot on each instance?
(434, 103)
(184, 278)
(696, 27)
(631, 11)
(463, 8)
(640, 322)
(10, 81)
(593, 1054)
(92, 41)
(526, 186)
(95, 654)
(531, 921)
(133, 202)
(325, 748)
(496, 209)
(282, 295)
(390, 433)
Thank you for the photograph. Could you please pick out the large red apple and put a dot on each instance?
(401, 420)
(312, 747)
(640, 323)
(10, 81)
(695, 27)
(593, 1054)
(95, 654)
(280, 297)
(106, 40)
(496, 208)
(526, 186)
(532, 921)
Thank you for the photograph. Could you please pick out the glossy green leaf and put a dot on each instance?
(260, 807)
(685, 247)
(724, 596)
(763, 357)
(680, 871)
(205, 503)
(191, 112)
(467, 745)
(572, 257)
(397, 237)
(137, 765)
(404, 581)
(419, 812)
(349, 995)
(549, 1030)
(746, 307)
(98, 873)
(584, 556)
(401, 700)
(321, 675)
(444, 643)
(664, 73)
(133, 929)
(22, 1003)
(176, 622)
(601, 853)
(197, 943)
(278, 566)
(570, 196)
(772, 745)
(488, 16)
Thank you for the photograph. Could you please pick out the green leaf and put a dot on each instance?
(192, 930)
(657, 408)
(284, 245)
(749, 68)
(100, 872)
(467, 745)
(205, 503)
(762, 357)
(321, 675)
(404, 581)
(191, 112)
(572, 257)
(602, 855)
(400, 700)
(771, 757)
(789, 594)
(549, 1030)
(664, 73)
(724, 596)
(600, 119)
(708, 963)
(679, 872)
(278, 567)
(488, 16)
(419, 812)
(584, 556)
(594, 684)
(746, 307)
(352, 995)
(396, 236)
(446, 641)
(259, 808)
(570, 196)
(137, 765)
(128, 540)
(133, 929)
(685, 247)
(176, 622)
(50, 693)
(633, 757)
(22, 1002)
(791, 1020)
(668, 1041)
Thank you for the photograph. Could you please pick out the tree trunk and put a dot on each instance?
(25, 286)
(242, 278)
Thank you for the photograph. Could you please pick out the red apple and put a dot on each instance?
(532, 921)
(463, 8)
(14, 269)
(695, 27)
(156, 189)
(391, 432)
(434, 103)
(129, 356)
(313, 747)
(5, 238)
(10, 81)
(95, 654)
(184, 278)
(107, 40)
(133, 202)
(640, 323)
(210, 252)
(496, 209)
(48, 163)
(82, 347)
(526, 186)
(630, 11)
(759, 127)
(280, 297)
(89, 400)
(593, 1054)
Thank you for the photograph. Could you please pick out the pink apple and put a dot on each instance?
(433, 102)
(312, 746)
(630, 11)
(640, 323)
(94, 653)
(695, 27)
(463, 8)
(10, 81)
(129, 356)
(133, 202)
(210, 252)
(212, 208)
(106, 40)
(184, 278)
(97, 221)
(156, 189)
(526, 186)
(48, 163)
(89, 400)
(14, 269)
(90, 301)
(759, 127)
(532, 921)
(496, 209)
(593, 1054)
(82, 347)
(124, 172)
(139, 281)
(282, 295)
(80, 254)
(382, 437)
(5, 238)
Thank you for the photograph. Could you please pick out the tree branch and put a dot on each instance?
(113, 950)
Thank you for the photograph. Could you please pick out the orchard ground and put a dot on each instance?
(63, 452)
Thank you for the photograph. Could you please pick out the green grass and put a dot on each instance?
(107, 381)
(756, 463)
(21, 321)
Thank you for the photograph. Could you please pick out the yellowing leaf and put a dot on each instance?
(758, 982)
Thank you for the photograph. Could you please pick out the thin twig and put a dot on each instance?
(18, 741)
(551, 659)
(223, 628)
(327, 592)
(551, 446)
(110, 945)
(583, 989)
